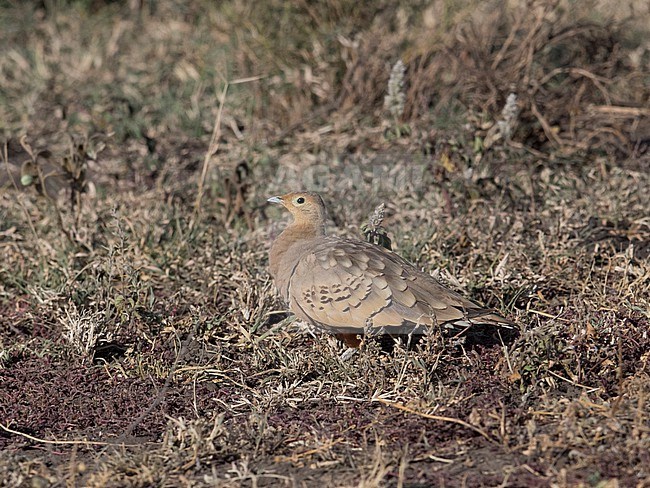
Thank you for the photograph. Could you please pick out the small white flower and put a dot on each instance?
(508, 117)
(394, 99)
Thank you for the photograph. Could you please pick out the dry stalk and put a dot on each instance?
(5, 158)
(65, 442)
(213, 146)
(441, 418)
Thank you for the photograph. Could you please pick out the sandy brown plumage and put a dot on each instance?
(351, 287)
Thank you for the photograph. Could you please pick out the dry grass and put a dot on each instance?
(141, 340)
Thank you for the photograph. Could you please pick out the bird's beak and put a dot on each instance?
(274, 200)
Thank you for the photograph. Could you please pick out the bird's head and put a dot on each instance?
(306, 207)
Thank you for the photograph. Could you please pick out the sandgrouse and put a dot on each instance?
(351, 287)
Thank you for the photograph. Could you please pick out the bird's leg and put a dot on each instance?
(350, 340)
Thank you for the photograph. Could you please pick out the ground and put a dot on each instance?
(141, 339)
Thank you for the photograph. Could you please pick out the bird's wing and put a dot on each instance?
(349, 286)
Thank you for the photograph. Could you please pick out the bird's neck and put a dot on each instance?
(291, 240)
(304, 229)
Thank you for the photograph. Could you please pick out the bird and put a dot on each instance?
(353, 288)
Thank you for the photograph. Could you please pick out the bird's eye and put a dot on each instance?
(300, 200)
